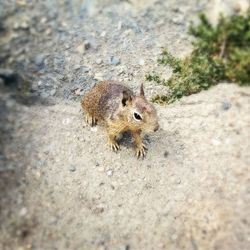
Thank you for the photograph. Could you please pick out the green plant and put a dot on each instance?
(220, 53)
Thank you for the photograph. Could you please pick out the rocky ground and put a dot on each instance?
(60, 185)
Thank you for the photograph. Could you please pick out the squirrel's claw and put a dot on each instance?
(94, 121)
(88, 119)
(91, 120)
(141, 151)
(114, 146)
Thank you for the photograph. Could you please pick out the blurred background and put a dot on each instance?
(60, 187)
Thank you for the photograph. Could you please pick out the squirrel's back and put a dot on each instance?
(104, 99)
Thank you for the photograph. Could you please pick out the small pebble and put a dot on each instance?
(110, 172)
(44, 95)
(72, 168)
(226, 105)
(122, 70)
(178, 181)
(79, 91)
(80, 48)
(87, 45)
(93, 129)
(125, 247)
(66, 121)
(39, 59)
(52, 92)
(37, 175)
(44, 20)
(48, 32)
(77, 66)
(101, 169)
(174, 237)
(24, 25)
(99, 76)
(10, 103)
(178, 20)
(23, 212)
(119, 26)
(103, 34)
(16, 25)
(99, 61)
(141, 62)
(114, 60)
(216, 141)
(166, 154)
(85, 69)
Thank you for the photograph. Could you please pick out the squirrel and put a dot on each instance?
(116, 107)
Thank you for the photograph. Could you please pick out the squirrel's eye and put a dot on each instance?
(137, 116)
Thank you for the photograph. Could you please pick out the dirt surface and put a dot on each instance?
(60, 185)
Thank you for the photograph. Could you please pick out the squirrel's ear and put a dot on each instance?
(142, 90)
(126, 98)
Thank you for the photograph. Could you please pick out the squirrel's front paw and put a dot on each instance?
(114, 146)
(90, 120)
(141, 151)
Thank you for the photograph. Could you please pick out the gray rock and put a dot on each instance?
(40, 163)
(87, 45)
(23, 212)
(79, 91)
(99, 61)
(39, 59)
(72, 168)
(44, 95)
(76, 67)
(34, 86)
(115, 60)
(99, 76)
(166, 154)
(225, 105)
(80, 48)
(48, 32)
(178, 181)
(125, 247)
(6, 72)
(53, 92)
(16, 25)
(10, 103)
(24, 24)
(178, 20)
(141, 62)
(84, 69)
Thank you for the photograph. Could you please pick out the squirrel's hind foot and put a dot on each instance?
(141, 151)
(91, 120)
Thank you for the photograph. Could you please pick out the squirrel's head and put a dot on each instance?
(141, 114)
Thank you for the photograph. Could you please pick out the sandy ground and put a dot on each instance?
(62, 188)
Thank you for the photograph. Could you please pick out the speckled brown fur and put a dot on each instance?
(119, 110)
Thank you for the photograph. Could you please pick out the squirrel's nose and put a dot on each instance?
(156, 127)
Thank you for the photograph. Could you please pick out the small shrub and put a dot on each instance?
(220, 53)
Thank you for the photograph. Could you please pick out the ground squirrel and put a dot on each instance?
(120, 110)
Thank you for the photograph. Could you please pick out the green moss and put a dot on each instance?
(220, 53)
